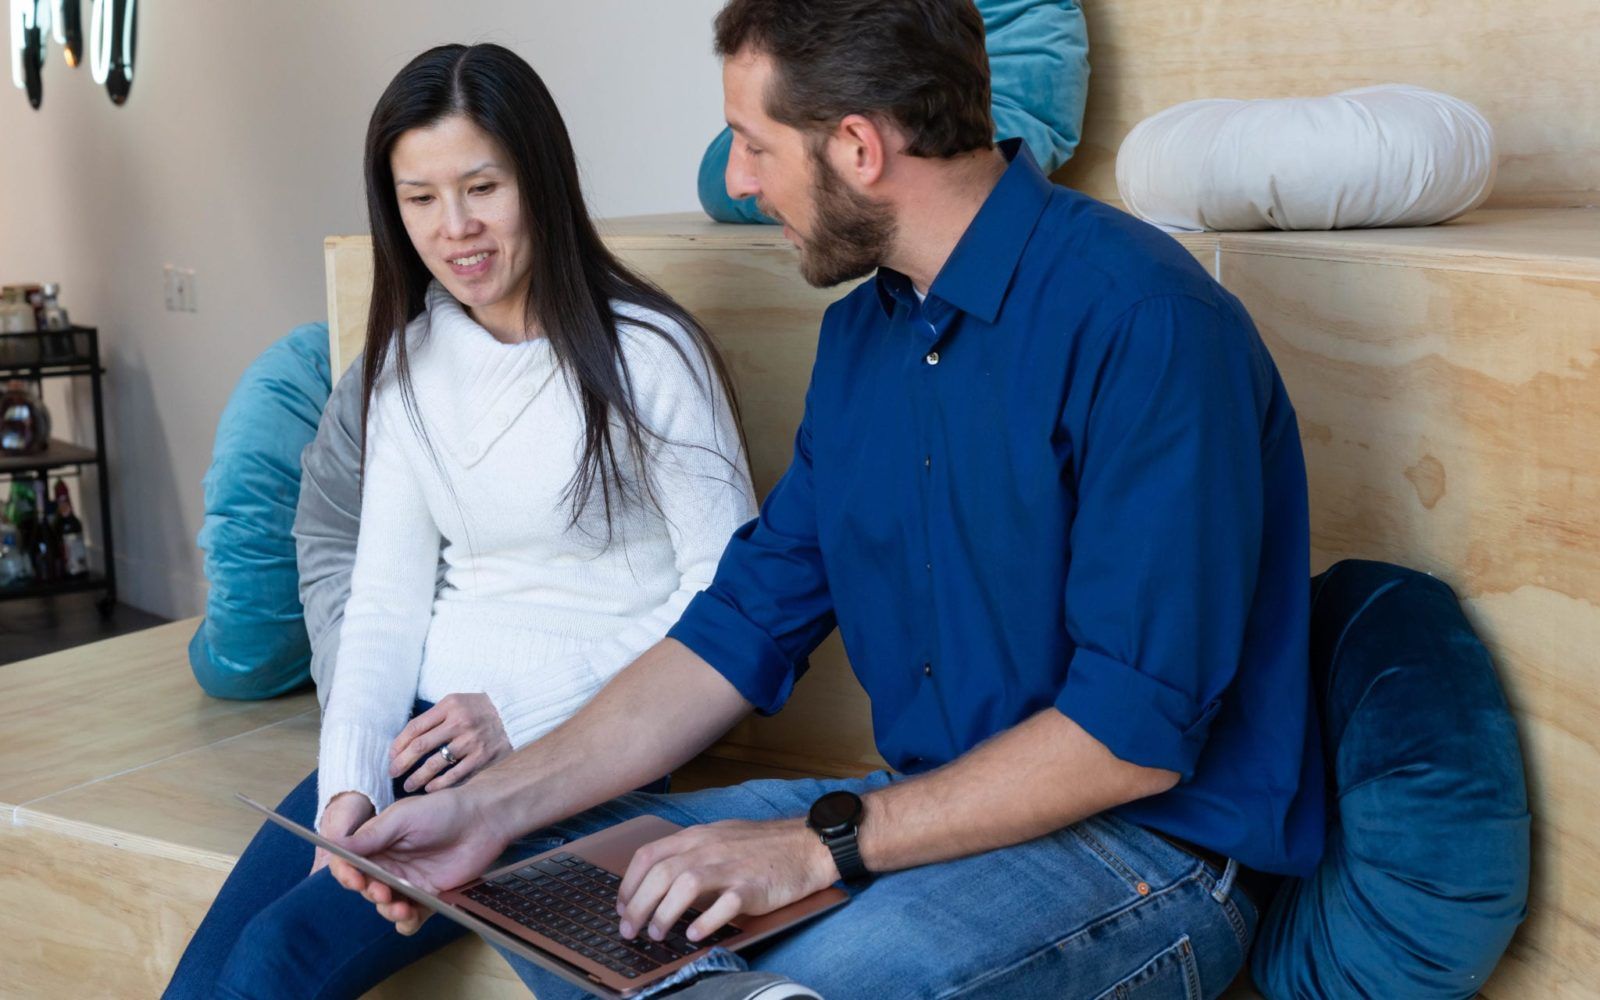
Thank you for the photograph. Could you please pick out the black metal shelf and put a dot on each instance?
(60, 455)
(77, 585)
(50, 353)
(70, 353)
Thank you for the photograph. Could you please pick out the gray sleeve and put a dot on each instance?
(327, 520)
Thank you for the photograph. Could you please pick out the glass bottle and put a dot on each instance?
(59, 344)
(15, 571)
(55, 317)
(46, 551)
(24, 421)
(69, 533)
(18, 313)
(22, 510)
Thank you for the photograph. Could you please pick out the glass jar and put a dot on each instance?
(24, 420)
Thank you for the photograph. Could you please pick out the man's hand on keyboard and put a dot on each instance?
(751, 868)
(436, 841)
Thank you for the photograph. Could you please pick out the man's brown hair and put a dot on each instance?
(921, 64)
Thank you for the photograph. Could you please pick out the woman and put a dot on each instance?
(561, 426)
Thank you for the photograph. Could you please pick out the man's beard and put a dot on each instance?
(851, 233)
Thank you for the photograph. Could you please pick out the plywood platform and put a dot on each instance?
(118, 823)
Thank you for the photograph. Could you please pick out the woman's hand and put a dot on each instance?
(468, 724)
(346, 811)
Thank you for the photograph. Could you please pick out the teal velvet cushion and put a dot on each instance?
(1426, 871)
(252, 643)
(1039, 81)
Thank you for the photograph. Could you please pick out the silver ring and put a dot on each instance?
(449, 758)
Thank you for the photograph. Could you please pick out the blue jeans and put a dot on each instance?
(273, 932)
(1104, 909)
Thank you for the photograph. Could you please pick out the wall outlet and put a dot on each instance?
(178, 284)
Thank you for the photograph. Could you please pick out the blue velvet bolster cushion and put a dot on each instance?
(1426, 871)
(252, 643)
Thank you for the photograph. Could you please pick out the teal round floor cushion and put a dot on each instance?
(1425, 876)
(252, 643)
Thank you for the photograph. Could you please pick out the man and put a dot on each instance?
(1049, 487)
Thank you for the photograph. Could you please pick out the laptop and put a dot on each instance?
(558, 909)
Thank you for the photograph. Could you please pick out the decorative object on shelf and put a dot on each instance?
(54, 315)
(1377, 156)
(15, 570)
(69, 536)
(21, 516)
(16, 315)
(24, 421)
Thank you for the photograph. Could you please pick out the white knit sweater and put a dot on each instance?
(533, 613)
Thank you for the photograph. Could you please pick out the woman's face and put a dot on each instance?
(460, 205)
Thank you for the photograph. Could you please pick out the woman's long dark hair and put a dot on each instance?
(575, 278)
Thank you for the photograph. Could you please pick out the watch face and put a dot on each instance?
(835, 812)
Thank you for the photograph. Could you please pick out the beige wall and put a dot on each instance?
(239, 150)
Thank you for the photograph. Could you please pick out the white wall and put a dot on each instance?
(238, 151)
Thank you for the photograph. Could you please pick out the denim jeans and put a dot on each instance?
(274, 933)
(1103, 910)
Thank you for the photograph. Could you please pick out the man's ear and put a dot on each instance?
(860, 150)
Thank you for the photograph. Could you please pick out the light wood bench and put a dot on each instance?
(1445, 380)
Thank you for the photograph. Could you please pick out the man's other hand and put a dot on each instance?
(751, 868)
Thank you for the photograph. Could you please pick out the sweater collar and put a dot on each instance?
(471, 386)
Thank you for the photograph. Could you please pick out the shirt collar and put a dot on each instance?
(977, 275)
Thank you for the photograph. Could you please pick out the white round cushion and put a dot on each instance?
(1377, 156)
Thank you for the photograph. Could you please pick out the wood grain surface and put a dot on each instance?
(1530, 67)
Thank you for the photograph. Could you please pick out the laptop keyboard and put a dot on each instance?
(574, 903)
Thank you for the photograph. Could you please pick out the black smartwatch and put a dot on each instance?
(836, 817)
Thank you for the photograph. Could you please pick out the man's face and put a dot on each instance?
(841, 233)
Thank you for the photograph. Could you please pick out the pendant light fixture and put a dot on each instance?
(111, 43)
(113, 39)
(27, 47)
(68, 24)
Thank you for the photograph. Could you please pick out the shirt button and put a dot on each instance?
(927, 461)
(932, 358)
(927, 670)
(930, 567)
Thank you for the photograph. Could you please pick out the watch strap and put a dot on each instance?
(846, 853)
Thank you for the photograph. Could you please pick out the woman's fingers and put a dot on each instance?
(423, 740)
(463, 769)
(416, 727)
(431, 768)
(347, 874)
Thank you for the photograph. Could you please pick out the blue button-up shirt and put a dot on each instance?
(1071, 478)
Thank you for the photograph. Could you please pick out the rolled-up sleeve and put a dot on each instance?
(768, 607)
(1166, 540)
